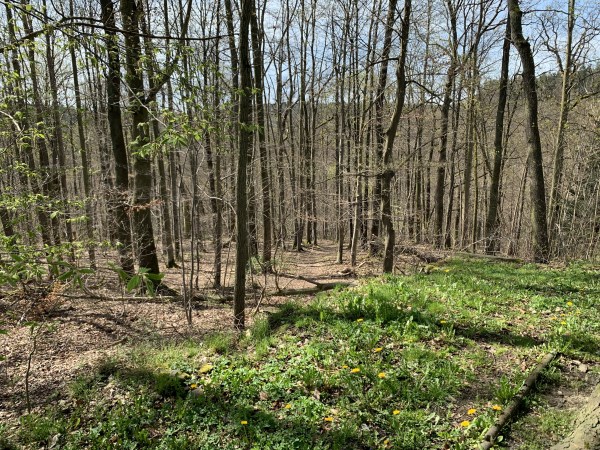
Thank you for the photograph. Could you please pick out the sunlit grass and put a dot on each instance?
(400, 362)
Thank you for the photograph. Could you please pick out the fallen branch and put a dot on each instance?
(513, 406)
(411, 251)
(320, 287)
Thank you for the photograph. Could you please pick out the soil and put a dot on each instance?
(74, 330)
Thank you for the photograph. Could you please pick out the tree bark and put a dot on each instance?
(390, 135)
(492, 244)
(244, 137)
(257, 35)
(565, 106)
(113, 97)
(537, 187)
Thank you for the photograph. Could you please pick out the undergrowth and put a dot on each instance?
(426, 361)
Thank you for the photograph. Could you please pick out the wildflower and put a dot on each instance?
(287, 406)
(569, 303)
(355, 370)
(497, 408)
(244, 422)
(344, 366)
(328, 419)
(360, 320)
(193, 386)
(396, 412)
(386, 442)
(381, 375)
(465, 423)
(442, 322)
(447, 270)
(471, 411)
(563, 322)
(377, 350)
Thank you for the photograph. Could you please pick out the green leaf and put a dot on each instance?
(133, 283)
(155, 276)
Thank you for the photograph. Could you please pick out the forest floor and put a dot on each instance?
(462, 334)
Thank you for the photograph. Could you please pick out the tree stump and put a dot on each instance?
(586, 431)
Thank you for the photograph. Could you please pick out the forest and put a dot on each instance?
(299, 224)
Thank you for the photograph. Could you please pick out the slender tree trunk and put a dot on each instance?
(142, 163)
(59, 142)
(379, 112)
(438, 229)
(390, 135)
(89, 202)
(537, 187)
(245, 136)
(565, 106)
(113, 97)
(167, 230)
(491, 225)
(257, 37)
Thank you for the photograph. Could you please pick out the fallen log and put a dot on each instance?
(320, 287)
(411, 251)
(586, 431)
(513, 406)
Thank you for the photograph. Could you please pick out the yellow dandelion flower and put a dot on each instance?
(396, 412)
(244, 422)
(381, 375)
(443, 322)
(569, 303)
(497, 408)
(386, 442)
(465, 423)
(193, 386)
(563, 322)
(355, 370)
(287, 406)
(359, 320)
(344, 366)
(377, 350)
(328, 419)
(471, 411)
(447, 270)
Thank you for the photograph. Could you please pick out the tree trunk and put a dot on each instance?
(257, 37)
(390, 135)
(244, 137)
(492, 244)
(565, 106)
(537, 186)
(142, 163)
(113, 97)
(379, 112)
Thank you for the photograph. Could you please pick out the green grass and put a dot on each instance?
(396, 363)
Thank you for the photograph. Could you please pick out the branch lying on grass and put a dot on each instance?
(513, 406)
(321, 287)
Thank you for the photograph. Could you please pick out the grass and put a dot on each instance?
(403, 363)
